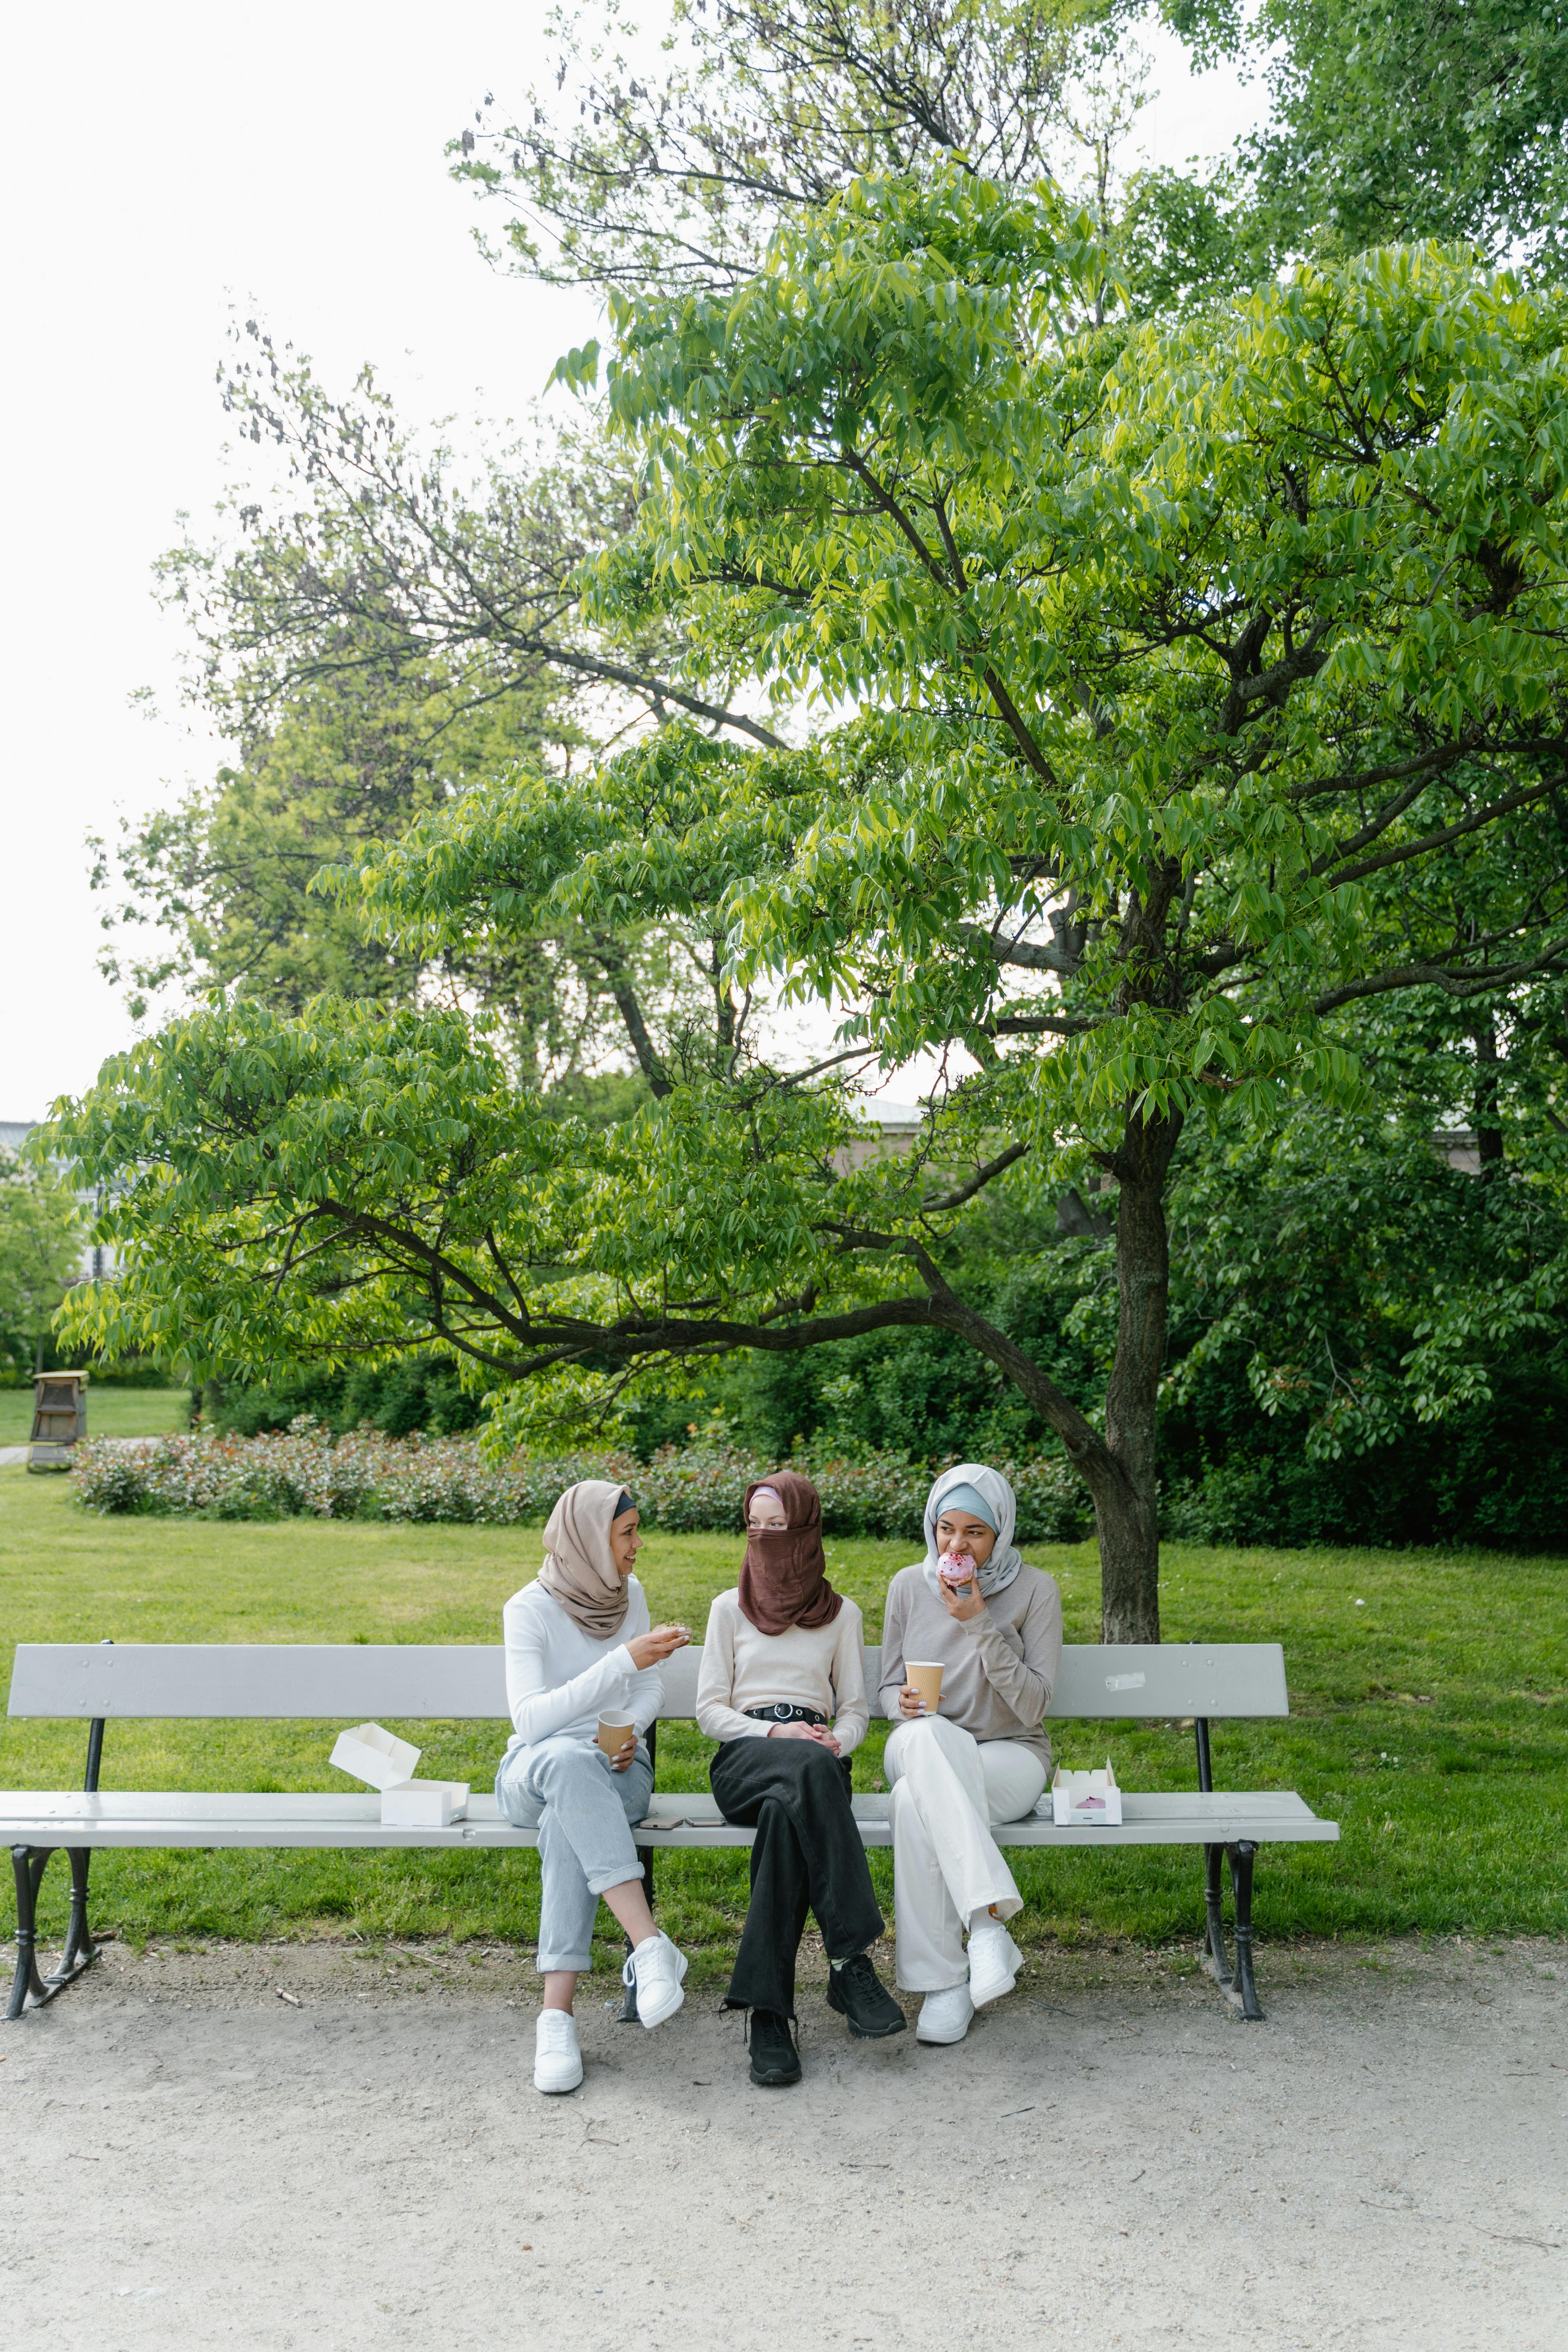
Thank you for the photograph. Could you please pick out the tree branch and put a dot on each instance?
(1435, 975)
(1404, 851)
(613, 963)
(977, 1183)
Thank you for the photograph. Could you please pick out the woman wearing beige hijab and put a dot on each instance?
(579, 1645)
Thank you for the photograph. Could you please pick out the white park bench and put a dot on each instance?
(102, 1683)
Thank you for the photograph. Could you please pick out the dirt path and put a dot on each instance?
(1110, 2158)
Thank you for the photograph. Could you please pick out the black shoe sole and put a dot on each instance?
(867, 2032)
(775, 2082)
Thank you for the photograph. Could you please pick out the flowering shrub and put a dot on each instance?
(303, 1471)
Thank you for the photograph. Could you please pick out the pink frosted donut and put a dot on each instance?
(956, 1568)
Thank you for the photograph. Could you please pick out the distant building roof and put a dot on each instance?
(14, 1133)
(896, 1117)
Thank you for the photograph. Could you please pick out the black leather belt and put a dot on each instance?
(779, 1713)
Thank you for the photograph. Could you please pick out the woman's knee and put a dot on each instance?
(926, 1734)
(571, 1770)
(822, 1769)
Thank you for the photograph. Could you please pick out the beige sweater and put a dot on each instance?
(818, 1667)
(999, 1668)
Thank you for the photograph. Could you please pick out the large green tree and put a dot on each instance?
(376, 635)
(42, 1230)
(382, 622)
(1397, 119)
(619, 170)
(1188, 696)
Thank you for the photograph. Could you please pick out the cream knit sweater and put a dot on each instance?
(819, 1667)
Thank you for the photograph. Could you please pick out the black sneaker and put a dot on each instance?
(857, 1992)
(775, 2061)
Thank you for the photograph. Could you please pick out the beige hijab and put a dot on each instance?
(578, 1569)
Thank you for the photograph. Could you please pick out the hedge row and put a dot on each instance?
(303, 1470)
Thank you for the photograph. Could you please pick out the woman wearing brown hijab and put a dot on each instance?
(783, 1687)
(579, 1645)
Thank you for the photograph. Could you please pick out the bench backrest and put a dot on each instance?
(353, 1681)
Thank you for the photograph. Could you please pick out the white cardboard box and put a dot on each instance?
(424, 1804)
(376, 1756)
(1090, 1799)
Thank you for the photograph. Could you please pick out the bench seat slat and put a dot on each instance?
(198, 1818)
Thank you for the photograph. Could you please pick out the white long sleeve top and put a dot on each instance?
(819, 1667)
(560, 1679)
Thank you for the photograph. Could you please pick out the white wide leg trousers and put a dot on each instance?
(948, 1789)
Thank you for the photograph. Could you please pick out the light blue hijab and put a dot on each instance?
(998, 1504)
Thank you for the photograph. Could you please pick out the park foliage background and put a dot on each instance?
(1097, 630)
(1429, 1715)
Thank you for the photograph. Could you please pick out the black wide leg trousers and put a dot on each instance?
(807, 1854)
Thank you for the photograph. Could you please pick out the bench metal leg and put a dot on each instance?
(29, 1989)
(628, 2010)
(1216, 1960)
(28, 1865)
(1236, 1984)
(1241, 1859)
(80, 1950)
(629, 2014)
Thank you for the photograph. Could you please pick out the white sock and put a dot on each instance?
(984, 1917)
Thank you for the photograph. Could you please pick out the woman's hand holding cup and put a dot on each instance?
(651, 1649)
(618, 1738)
(922, 1693)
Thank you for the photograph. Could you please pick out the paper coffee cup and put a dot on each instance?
(615, 1730)
(926, 1675)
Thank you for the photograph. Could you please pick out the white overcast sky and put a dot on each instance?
(161, 164)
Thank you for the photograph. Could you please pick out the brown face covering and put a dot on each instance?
(784, 1579)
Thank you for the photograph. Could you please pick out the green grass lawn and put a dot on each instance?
(111, 1413)
(1430, 1718)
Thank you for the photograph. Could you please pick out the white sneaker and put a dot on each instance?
(944, 2016)
(993, 1962)
(557, 2060)
(656, 1968)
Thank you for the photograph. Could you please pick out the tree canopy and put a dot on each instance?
(1189, 698)
(42, 1230)
(1403, 119)
(628, 172)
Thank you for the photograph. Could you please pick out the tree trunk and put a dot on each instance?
(1489, 1133)
(1127, 1515)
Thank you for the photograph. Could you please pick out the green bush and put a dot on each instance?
(421, 1392)
(304, 1471)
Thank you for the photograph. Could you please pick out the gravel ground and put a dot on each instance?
(1110, 2158)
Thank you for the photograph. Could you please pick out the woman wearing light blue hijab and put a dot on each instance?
(994, 1627)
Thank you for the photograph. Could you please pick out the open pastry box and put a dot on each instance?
(379, 1758)
(1090, 1799)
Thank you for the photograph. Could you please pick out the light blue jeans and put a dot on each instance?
(565, 1789)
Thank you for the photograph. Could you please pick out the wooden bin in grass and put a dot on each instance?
(59, 1418)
